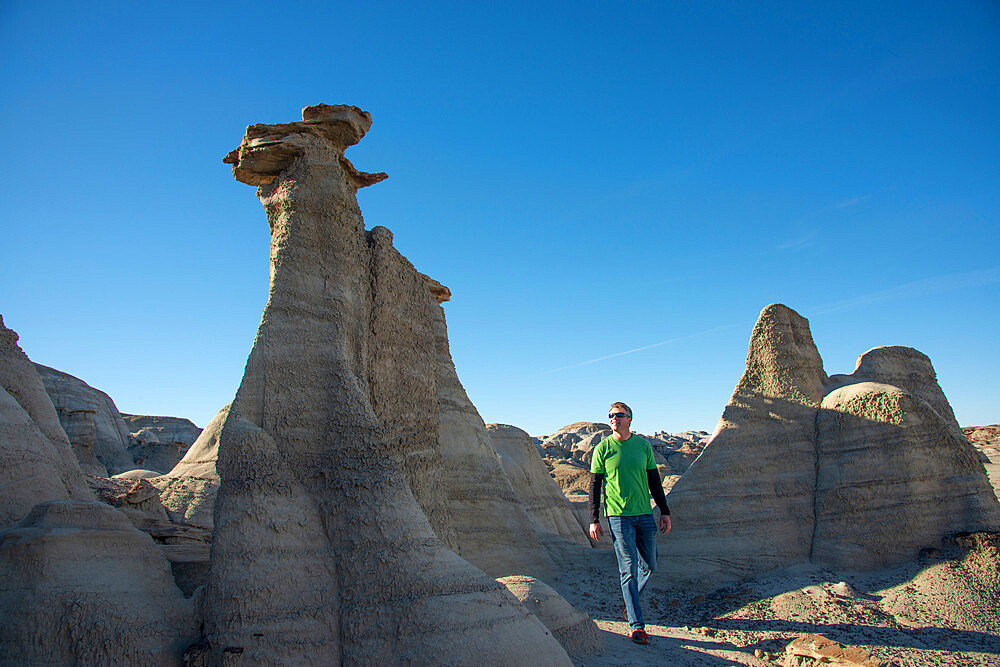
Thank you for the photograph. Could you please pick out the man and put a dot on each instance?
(623, 468)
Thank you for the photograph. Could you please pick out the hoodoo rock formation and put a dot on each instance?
(887, 459)
(350, 505)
(802, 466)
(322, 552)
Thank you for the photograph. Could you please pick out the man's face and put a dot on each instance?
(619, 419)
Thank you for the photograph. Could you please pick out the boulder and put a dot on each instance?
(92, 421)
(136, 498)
(819, 650)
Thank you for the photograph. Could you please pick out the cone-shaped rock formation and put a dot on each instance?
(891, 454)
(316, 526)
(190, 487)
(758, 481)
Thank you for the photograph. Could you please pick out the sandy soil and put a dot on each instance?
(941, 610)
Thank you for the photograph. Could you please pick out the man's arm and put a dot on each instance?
(656, 490)
(596, 484)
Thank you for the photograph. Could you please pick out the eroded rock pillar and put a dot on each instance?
(314, 517)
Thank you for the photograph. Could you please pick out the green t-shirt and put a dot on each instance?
(624, 464)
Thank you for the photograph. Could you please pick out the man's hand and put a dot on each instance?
(596, 532)
(664, 524)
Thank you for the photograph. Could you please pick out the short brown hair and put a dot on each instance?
(622, 406)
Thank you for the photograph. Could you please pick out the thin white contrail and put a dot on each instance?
(645, 347)
(853, 201)
(810, 237)
(916, 288)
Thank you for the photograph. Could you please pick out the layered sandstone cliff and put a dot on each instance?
(158, 443)
(532, 484)
(167, 429)
(91, 419)
(80, 585)
(37, 462)
(851, 471)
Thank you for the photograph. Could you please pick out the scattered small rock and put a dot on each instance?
(817, 649)
(842, 589)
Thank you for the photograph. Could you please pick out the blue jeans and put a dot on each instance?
(634, 538)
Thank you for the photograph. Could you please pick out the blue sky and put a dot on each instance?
(588, 179)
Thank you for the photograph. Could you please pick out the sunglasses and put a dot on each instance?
(618, 415)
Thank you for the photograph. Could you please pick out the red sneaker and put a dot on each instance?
(640, 637)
